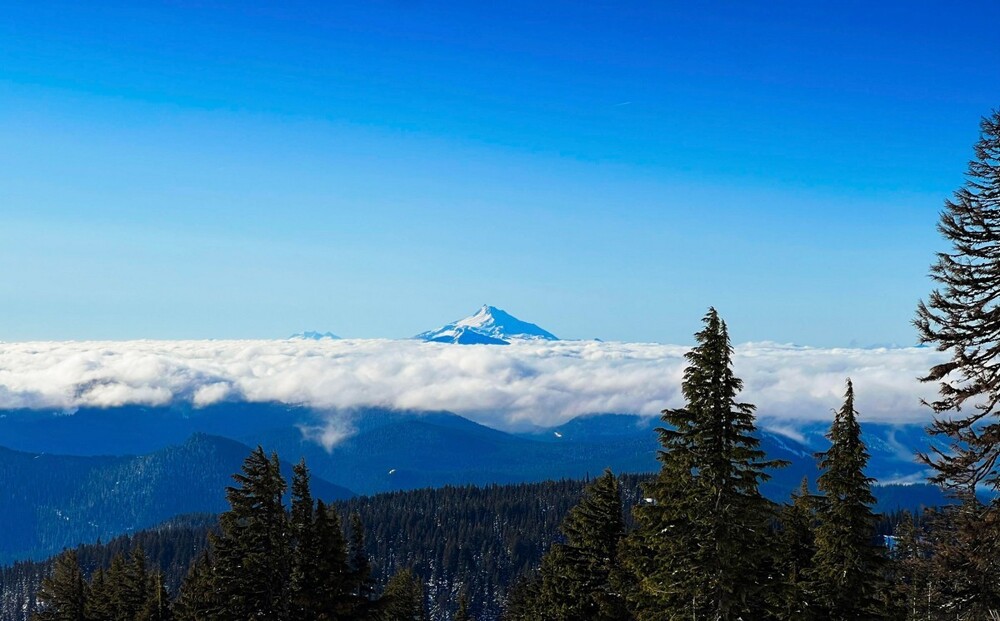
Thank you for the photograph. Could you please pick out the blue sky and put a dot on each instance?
(230, 170)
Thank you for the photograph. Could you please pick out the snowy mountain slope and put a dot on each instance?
(488, 326)
(310, 335)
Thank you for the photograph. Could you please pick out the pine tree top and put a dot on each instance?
(962, 316)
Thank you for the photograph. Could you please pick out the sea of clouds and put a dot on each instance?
(543, 383)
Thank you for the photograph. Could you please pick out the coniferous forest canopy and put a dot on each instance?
(695, 541)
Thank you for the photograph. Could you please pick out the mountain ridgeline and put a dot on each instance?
(62, 487)
(54, 501)
(696, 539)
(93, 474)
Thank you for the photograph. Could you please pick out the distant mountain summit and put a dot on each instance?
(489, 326)
(309, 335)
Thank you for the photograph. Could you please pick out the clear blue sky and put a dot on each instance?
(244, 169)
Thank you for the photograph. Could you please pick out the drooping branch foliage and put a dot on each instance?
(962, 317)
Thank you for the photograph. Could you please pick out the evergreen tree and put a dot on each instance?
(157, 605)
(251, 552)
(137, 586)
(360, 602)
(99, 597)
(699, 549)
(63, 595)
(796, 546)
(848, 564)
(304, 580)
(462, 613)
(580, 577)
(962, 317)
(523, 599)
(196, 599)
(111, 598)
(404, 598)
(331, 582)
(963, 565)
(361, 569)
(914, 593)
(127, 591)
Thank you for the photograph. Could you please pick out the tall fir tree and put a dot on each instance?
(63, 595)
(111, 599)
(796, 546)
(700, 547)
(99, 597)
(581, 578)
(463, 613)
(251, 552)
(196, 599)
(914, 592)
(848, 563)
(331, 583)
(524, 599)
(304, 580)
(360, 602)
(157, 606)
(136, 585)
(963, 561)
(962, 317)
(404, 597)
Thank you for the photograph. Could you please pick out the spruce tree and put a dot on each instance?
(914, 594)
(796, 546)
(580, 578)
(331, 582)
(137, 586)
(115, 599)
(404, 597)
(360, 602)
(963, 565)
(848, 564)
(304, 582)
(523, 599)
(63, 595)
(251, 551)
(99, 597)
(463, 613)
(962, 317)
(196, 600)
(157, 604)
(700, 546)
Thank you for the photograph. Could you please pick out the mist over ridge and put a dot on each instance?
(526, 383)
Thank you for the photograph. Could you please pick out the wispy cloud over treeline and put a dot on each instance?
(541, 383)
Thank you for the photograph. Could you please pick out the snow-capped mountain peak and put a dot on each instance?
(490, 326)
(310, 335)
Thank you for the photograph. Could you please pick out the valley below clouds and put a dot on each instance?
(526, 383)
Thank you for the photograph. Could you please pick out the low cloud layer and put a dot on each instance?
(542, 383)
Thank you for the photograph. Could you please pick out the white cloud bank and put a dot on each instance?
(537, 382)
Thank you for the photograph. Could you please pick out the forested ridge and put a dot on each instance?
(474, 540)
(608, 549)
(53, 501)
(697, 540)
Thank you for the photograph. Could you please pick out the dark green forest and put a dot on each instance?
(450, 536)
(695, 541)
